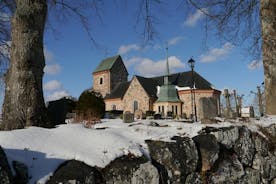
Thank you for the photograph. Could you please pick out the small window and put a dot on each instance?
(135, 106)
(176, 109)
(101, 80)
(159, 109)
(114, 107)
(172, 109)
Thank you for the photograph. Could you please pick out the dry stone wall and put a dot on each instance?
(232, 155)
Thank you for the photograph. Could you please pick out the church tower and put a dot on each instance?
(110, 72)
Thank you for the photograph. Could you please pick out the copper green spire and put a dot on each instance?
(166, 77)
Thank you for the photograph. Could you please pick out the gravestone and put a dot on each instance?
(208, 108)
(139, 114)
(128, 117)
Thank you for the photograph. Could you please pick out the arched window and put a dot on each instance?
(113, 107)
(135, 105)
(101, 80)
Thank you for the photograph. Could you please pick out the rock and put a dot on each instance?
(193, 178)
(5, 171)
(178, 158)
(76, 172)
(251, 177)
(265, 165)
(146, 173)
(229, 170)
(244, 147)
(21, 172)
(227, 136)
(130, 169)
(261, 145)
(209, 150)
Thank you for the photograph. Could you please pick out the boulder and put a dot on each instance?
(5, 171)
(175, 160)
(225, 135)
(229, 169)
(76, 172)
(251, 176)
(194, 178)
(130, 169)
(209, 150)
(244, 147)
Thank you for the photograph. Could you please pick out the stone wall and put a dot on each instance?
(215, 156)
(137, 93)
(103, 88)
(109, 103)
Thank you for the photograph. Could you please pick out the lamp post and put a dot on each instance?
(191, 62)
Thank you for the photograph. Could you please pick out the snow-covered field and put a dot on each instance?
(43, 150)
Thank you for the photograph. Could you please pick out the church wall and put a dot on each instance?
(136, 93)
(101, 82)
(111, 103)
(185, 97)
(164, 107)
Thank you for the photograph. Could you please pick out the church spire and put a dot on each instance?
(166, 77)
(167, 62)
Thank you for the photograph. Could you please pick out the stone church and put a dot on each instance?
(171, 93)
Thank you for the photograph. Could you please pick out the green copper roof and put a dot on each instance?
(107, 63)
(168, 93)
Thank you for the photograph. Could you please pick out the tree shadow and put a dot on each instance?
(40, 165)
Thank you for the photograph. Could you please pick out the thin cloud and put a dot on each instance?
(192, 19)
(124, 49)
(175, 40)
(49, 56)
(52, 69)
(148, 68)
(52, 85)
(255, 64)
(216, 53)
(57, 95)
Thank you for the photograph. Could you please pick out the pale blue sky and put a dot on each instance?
(72, 57)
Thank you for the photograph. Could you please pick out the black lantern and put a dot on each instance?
(192, 63)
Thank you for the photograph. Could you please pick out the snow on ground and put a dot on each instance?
(43, 150)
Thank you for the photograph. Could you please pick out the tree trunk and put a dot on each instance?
(268, 22)
(24, 103)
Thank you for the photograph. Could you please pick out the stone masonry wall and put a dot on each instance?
(111, 102)
(103, 88)
(137, 93)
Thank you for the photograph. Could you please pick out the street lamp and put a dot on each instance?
(191, 62)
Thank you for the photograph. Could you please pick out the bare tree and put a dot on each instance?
(247, 21)
(23, 102)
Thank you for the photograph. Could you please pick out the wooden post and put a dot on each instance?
(260, 100)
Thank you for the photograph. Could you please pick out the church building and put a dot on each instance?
(171, 93)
